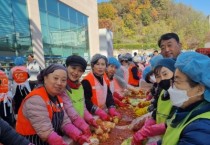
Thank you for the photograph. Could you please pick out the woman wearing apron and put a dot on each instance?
(73, 97)
(41, 117)
(98, 96)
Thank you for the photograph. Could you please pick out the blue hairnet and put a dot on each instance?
(19, 61)
(146, 70)
(128, 56)
(113, 61)
(166, 62)
(196, 66)
(153, 61)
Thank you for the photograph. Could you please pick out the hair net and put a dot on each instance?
(122, 57)
(113, 61)
(19, 61)
(166, 62)
(196, 66)
(154, 60)
(48, 70)
(128, 56)
(146, 71)
(96, 57)
(75, 60)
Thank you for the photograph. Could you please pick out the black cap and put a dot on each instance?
(75, 60)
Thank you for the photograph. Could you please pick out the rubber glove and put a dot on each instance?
(93, 122)
(149, 121)
(153, 130)
(149, 131)
(152, 143)
(118, 102)
(102, 114)
(83, 138)
(118, 96)
(72, 131)
(75, 134)
(113, 112)
(82, 125)
(55, 139)
(137, 141)
(149, 97)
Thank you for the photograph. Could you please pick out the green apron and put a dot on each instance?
(172, 135)
(163, 109)
(77, 99)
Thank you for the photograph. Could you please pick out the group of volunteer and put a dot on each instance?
(60, 102)
(57, 104)
(180, 106)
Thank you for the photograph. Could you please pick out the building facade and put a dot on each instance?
(50, 29)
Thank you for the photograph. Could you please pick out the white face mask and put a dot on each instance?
(152, 79)
(177, 96)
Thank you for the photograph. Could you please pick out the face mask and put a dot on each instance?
(165, 84)
(152, 79)
(177, 96)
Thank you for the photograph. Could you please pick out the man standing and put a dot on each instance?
(34, 69)
(170, 45)
(155, 53)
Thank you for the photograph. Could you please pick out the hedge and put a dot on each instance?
(135, 46)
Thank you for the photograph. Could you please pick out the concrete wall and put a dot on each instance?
(36, 35)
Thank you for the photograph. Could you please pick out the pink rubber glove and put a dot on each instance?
(138, 138)
(75, 134)
(149, 122)
(55, 139)
(72, 131)
(118, 96)
(93, 122)
(149, 97)
(83, 138)
(152, 143)
(153, 130)
(102, 114)
(149, 131)
(113, 112)
(82, 125)
(118, 102)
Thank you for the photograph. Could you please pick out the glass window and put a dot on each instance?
(64, 24)
(15, 37)
(80, 19)
(85, 21)
(5, 7)
(53, 21)
(43, 17)
(20, 1)
(19, 10)
(63, 11)
(52, 6)
(42, 5)
(45, 34)
(64, 33)
(72, 15)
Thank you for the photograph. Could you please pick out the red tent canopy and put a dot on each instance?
(205, 51)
